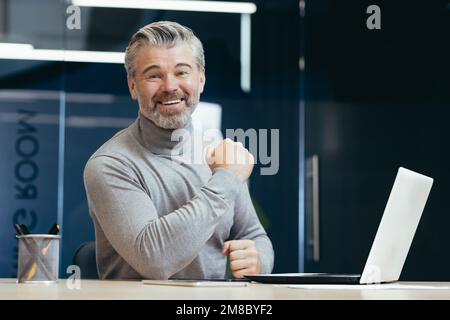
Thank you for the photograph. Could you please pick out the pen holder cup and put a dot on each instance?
(38, 258)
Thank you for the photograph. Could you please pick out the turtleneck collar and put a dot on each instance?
(159, 140)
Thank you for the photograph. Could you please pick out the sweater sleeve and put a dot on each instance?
(247, 226)
(156, 247)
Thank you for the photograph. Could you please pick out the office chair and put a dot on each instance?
(84, 257)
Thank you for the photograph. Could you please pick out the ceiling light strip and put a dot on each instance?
(177, 5)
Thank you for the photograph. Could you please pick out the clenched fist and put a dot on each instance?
(244, 258)
(231, 156)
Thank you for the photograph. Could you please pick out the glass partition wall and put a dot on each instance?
(63, 93)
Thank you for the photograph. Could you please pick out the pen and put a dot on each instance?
(54, 229)
(21, 230)
(33, 269)
(24, 229)
(18, 229)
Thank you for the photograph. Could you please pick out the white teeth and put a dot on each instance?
(172, 102)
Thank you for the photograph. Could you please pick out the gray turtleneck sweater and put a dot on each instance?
(156, 217)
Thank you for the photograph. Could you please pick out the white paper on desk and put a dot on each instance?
(387, 286)
(196, 283)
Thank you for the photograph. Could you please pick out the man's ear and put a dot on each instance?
(132, 87)
(202, 80)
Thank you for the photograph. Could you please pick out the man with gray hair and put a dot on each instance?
(158, 218)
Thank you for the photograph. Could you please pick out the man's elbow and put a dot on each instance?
(154, 265)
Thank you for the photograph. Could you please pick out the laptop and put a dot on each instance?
(392, 241)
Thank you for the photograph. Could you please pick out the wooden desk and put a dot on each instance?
(104, 290)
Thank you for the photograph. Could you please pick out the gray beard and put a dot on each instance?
(175, 121)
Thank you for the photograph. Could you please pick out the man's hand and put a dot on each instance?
(244, 258)
(231, 156)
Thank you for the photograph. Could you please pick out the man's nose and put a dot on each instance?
(170, 83)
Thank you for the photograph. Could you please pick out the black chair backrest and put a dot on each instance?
(84, 257)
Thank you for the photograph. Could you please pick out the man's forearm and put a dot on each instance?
(170, 243)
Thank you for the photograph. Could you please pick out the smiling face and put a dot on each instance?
(167, 84)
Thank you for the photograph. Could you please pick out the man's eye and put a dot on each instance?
(183, 73)
(153, 76)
